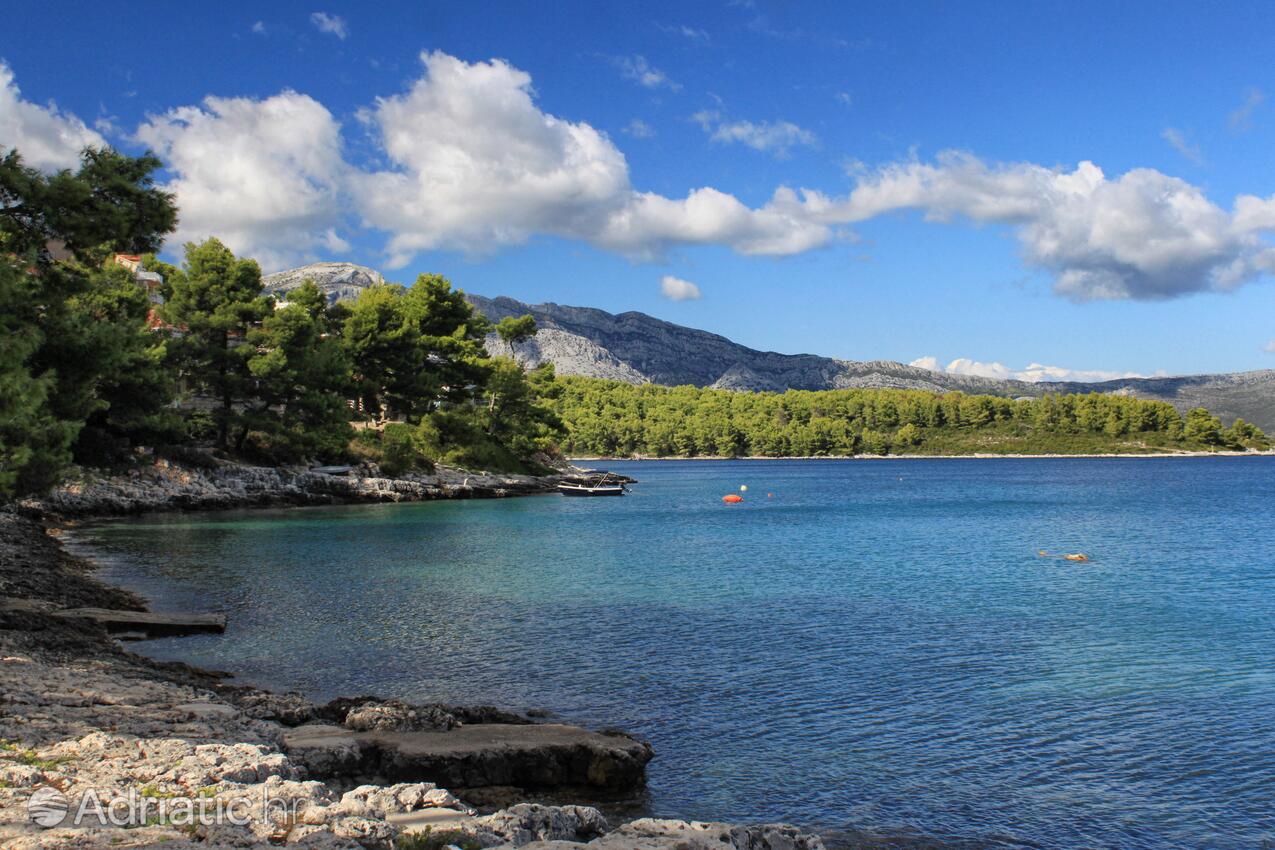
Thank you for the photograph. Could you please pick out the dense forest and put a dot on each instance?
(611, 419)
(108, 354)
(95, 366)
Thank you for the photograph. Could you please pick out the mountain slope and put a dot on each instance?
(337, 280)
(638, 348)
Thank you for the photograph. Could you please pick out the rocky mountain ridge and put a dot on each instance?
(340, 281)
(636, 348)
(651, 350)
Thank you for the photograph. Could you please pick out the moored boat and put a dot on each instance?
(605, 485)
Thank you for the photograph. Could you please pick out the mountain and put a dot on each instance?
(339, 281)
(638, 348)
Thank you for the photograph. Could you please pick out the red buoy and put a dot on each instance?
(732, 499)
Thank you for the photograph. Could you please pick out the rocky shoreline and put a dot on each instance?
(202, 482)
(176, 748)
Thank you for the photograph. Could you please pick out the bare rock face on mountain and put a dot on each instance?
(637, 348)
(339, 281)
(570, 354)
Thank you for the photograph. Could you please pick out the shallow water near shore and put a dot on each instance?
(876, 645)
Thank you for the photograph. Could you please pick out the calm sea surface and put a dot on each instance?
(876, 645)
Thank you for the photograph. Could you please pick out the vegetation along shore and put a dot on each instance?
(131, 385)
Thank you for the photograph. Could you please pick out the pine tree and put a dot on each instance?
(215, 300)
(302, 380)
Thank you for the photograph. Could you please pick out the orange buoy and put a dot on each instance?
(732, 498)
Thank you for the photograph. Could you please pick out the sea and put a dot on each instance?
(859, 646)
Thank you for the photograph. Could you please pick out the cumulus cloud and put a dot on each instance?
(477, 165)
(264, 176)
(1269, 348)
(676, 289)
(637, 69)
(1242, 117)
(472, 163)
(1144, 235)
(1179, 142)
(639, 129)
(778, 137)
(47, 138)
(1033, 373)
(330, 24)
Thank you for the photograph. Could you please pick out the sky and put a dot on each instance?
(1066, 190)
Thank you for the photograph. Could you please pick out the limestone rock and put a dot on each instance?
(169, 485)
(398, 716)
(638, 349)
(338, 281)
(528, 822)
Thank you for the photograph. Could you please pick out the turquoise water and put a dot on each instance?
(876, 646)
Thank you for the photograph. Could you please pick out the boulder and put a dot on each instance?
(475, 756)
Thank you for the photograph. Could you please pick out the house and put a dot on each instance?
(152, 282)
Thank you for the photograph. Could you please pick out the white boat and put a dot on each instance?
(596, 487)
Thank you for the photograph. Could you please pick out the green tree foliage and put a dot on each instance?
(215, 300)
(1203, 427)
(519, 414)
(76, 347)
(385, 352)
(135, 387)
(451, 336)
(513, 330)
(33, 442)
(298, 406)
(413, 349)
(613, 419)
(111, 202)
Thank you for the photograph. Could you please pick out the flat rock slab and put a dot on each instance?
(440, 819)
(150, 623)
(480, 755)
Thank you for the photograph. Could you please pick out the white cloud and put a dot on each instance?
(778, 137)
(473, 164)
(264, 176)
(639, 129)
(844, 98)
(1269, 348)
(676, 289)
(1144, 235)
(1033, 373)
(477, 166)
(637, 69)
(1179, 142)
(330, 24)
(930, 363)
(47, 138)
(259, 27)
(687, 32)
(1242, 118)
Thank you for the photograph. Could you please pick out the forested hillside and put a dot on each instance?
(614, 419)
(108, 354)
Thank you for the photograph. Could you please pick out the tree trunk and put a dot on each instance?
(223, 426)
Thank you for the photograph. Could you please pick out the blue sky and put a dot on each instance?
(928, 157)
